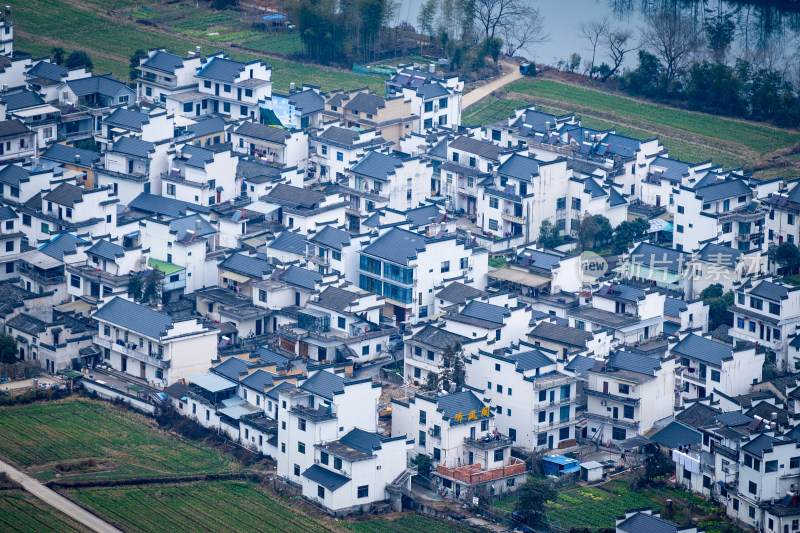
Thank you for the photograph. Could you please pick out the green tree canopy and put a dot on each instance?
(549, 235)
(531, 499)
(78, 59)
(8, 349)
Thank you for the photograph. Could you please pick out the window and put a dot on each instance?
(207, 84)
(442, 103)
(499, 409)
(464, 263)
(751, 511)
(493, 224)
(624, 388)
(323, 457)
(561, 203)
(756, 303)
(472, 161)
(500, 389)
(10, 267)
(75, 281)
(445, 266)
(541, 439)
(498, 455)
(437, 454)
(423, 418)
(301, 447)
(341, 323)
(715, 375)
(437, 431)
(493, 203)
(542, 416)
(9, 246)
(794, 462)
(226, 107)
(740, 323)
(742, 199)
(26, 220)
(752, 488)
(337, 463)
(512, 434)
(45, 228)
(455, 157)
(680, 228)
(171, 188)
(484, 425)
(422, 436)
(363, 491)
(680, 209)
(248, 93)
(542, 395)
(187, 107)
(365, 350)
(770, 466)
(774, 309)
(627, 412)
(301, 423)
(339, 156)
(618, 434)
(321, 491)
(576, 203)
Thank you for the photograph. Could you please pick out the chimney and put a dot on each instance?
(77, 158)
(292, 87)
(197, 224)
(197, 49)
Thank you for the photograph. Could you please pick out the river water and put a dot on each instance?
(761, 26)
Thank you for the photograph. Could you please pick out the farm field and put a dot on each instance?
(22, 513)
(110, 31)
(44, 437)
(689, 136)
(410, 523)
(222, 506)
(491, 110)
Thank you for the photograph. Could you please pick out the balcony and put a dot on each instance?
(158, 80)
(512, 218)
(557, 401)
(749, 236)
(694, 378)
(633, 424)
(730, 453)
(319, 414)
(52, 277)
(133, 353)
(488, 442)
(474, 473)
(135, 176)
(555, 424)
(546, 382)
(318, 260)
(612, 397)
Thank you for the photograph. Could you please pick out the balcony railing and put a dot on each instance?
(612, 397)
(489, 442)
(126, 350)
(41, 277)
(512, 218)
(633, 424)
(544, 382)
(317, 415)
(555, 424)
(730, 453)
(474, 473)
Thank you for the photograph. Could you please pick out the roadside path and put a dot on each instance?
(473, 97)
(50, 497)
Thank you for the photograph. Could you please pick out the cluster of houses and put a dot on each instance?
(282, 242)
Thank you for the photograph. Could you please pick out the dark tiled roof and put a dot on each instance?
(644, 523)
(765, 410)
(485, 311)
(7, 213)
(13, 175)
(197, 156)
(674, 306)
(397, 245)
(256, 172)
(247, 265)
(698, 415)
(22, 100)
(66, 194)
(14, 127)
(535, 258)
(770, 291)
(734, 418)
(622, 291)
(105, 85)
(164, 61)
(180, 227)
(459, 293)
(377, 165)
(301, 277)
(676, 434)
(336, 299)
(48, 71)
(135, 147)
(232, 368)
(259, 380)
(324, 384)
(640, 364)
(63, 244)
(273, 392)
(561, 334)
(340, 135)
(366, 103)
(268, 357)
(361, 440)
(134, 317)
(580, 364)
(160, 205)
(485, 149)
(221, 69)
(289, 241)
(127, 118)
(27, 324)
(66, 154)
(331, 237)
(759, 445)
(292, 196)
(703, 349)
(723, 189)
(263, 132)
(329, 479)
(531, 359)
(307, 101)
(659, 257)
(422, 216)
(206, 126)
(719, 255)
(106, 250)
(437, 337)
(460, 402)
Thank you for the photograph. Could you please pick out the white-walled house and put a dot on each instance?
(501, 320)
(708, 366)
(201, 176)
(271, 144)
(232, 88)
(162, 74)
(436, 100)
(724, 265)
(534, 403)
(151, 345)
(621, 392)
(334, 149)
(106, 271)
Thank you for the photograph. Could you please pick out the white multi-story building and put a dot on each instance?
(201, 176)
(232, 88)
(621, 392)
(271, 144)
(162, 74)
(106, 271)
(151, 345)
(334, 149)
(434, 99)
(132, 167)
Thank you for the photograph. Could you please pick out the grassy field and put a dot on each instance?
(410, 523)
(597, 507)
(22, 513)
(110, 31)
(689, 136)
(222, 506)
(491, 110)
(41, 436)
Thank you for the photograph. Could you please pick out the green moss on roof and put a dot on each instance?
(163, 266)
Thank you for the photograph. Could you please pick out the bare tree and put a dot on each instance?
(527, 31)
(619, 42)
(495, 15)
(594, 31)
(674, 40)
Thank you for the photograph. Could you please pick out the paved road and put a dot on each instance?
(50, 497)
(511, 73)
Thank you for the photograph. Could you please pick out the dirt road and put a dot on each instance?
(50, 497)
(510, 73)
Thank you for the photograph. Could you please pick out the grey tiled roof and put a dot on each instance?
(273, 392)
(698, 415)
(336, 299)
(255, 172)
(759, 445)
(13, 127)
(485, 149)
(135, 147)
(232, 368)
(206, 126)
(365, 103)
(536, 258)
(13, 175)
(221, 69)
(615, 198)
(127, 118)
(258, 380)
(561, 334)
(519, 167)
(289, 241)
(7, 213)
(644, 523)
(770, 291)
(22, 100)
(673, 306)
(61, 245)
(66, 194)
(105, 85)
(331, 237)
(27, 324)
(340, 135)
(291, 196)
(268, 357)
(48, 71)
(134, 317)
(302, 277)
(164, 61)
(704, 350)
(161, 205)
(660, 257)
(485, 311)
(180, 226)
(196, 156)
(437, 337)
(580, 364)
(329, 479)
(106, 250)
(361, 440)
(531, 359)
(459, 293)
(422, 216)
(307, 101)
(460, 402)
(397, 245)
(263, 132)
(377, 165)
(324, 384)
(723, 189)
(719, 254)
(66, 154)
(676, 434)
(432, 90)
(249, 266)
(640, 364)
